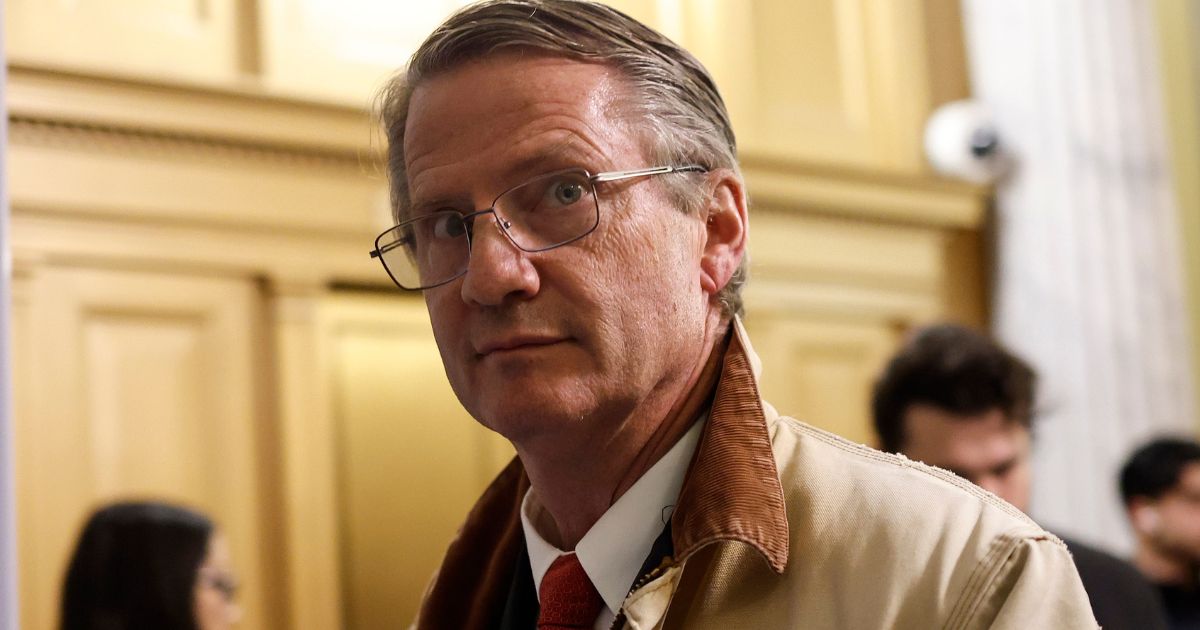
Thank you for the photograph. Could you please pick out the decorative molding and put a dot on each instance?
(308, 481)
(247, 117)
(49, 132)
(148, 176)
(790, 186)
(841, 302)
(286, 258)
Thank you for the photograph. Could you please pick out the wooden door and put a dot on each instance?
(137, 384)
(411, 461)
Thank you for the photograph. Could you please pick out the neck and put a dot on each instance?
(1164, 568)
(572, 488)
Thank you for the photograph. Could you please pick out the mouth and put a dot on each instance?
(516, 344)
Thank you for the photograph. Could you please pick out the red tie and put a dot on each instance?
(568, 599)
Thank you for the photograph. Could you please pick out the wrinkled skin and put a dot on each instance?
(582, 349)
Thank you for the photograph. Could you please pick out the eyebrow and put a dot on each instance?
(566, 153)
(420, 207)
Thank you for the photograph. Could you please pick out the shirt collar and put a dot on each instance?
(613, 550)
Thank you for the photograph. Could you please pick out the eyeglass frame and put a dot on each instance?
(504, 224)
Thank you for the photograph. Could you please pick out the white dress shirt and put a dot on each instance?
(614, 549)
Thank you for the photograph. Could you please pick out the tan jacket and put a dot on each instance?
(781, 525)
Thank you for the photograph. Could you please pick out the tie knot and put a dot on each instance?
(568, 598)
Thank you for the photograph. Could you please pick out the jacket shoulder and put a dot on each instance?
(896, 483)
(940, 549)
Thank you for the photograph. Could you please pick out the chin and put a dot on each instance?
(522, 426)
(525, 412)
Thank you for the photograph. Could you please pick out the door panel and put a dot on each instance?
(820, 370)
(411, 460)
(137, 385)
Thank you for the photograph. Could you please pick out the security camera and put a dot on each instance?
(961, 142)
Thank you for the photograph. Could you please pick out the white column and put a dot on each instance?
(1088, 283)
(8, 526)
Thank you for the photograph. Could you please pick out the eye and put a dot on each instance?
(565, 191)
(568, 193)
(448, 225)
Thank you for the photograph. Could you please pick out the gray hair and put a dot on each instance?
(680, 109)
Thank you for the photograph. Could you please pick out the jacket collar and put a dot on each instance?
(731, 493)
(732, 490)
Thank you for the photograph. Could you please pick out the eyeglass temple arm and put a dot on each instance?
(376, 253)
(642, 172)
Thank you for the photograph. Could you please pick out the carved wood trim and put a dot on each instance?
(37, 131)
(248, 117)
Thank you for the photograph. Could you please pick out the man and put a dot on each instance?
(954, 399)
(1161, 487)
(570, 205)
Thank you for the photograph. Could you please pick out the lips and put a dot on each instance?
(516, 342)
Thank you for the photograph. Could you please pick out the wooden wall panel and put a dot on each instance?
(832, 82)
(136, 384)
(820, 370)
(411, 460)
(190, 39)
(342, 51)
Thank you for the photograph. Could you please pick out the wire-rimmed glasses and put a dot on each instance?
(545, 212)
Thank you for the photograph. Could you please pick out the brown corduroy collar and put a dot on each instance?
(731, 493)
(732, 490)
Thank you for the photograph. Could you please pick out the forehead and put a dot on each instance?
(493, 115)
(218, 554)
(1189, 478)
(936, 436)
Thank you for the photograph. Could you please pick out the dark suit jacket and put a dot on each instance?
(1121, 597)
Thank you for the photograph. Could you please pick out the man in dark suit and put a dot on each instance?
(955, 399)
(1161, 487)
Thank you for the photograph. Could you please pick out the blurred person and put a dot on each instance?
(143, 565)
(568, 200)
(953, 398)
(1160, 484)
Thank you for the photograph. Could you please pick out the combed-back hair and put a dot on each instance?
(1155, 468)
(671, 96)
(957, 370)
(135, 568)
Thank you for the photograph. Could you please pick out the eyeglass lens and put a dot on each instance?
(540, 214)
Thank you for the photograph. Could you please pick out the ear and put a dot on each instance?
(727, 228)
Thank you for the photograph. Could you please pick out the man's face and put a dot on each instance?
(1175, 528)
(538, 342)
(987, 449)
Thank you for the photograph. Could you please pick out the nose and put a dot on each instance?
(498, 270)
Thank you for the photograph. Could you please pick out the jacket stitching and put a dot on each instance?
(979, 584)
(801, 429)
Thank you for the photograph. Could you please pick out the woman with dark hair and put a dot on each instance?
(143, 565)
